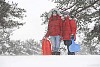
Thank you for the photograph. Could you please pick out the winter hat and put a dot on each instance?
(54, 12)
(54, 9)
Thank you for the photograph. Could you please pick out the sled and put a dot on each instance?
(46, 47)
(74, 47)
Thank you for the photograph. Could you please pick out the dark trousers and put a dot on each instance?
(68, 43)
(55, 53)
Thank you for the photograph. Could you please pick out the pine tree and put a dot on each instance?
(10, 15)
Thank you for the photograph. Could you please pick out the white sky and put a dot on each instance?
(33, 28)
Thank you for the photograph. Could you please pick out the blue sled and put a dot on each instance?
(74, 47)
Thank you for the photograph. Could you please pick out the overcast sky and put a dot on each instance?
(33, 28)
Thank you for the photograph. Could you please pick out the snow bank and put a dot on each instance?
(50, 61)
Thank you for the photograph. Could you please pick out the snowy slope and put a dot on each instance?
(50, 61)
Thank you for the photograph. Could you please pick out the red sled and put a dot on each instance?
(46, 47)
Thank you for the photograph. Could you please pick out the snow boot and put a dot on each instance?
(53, 53)
(57, 53)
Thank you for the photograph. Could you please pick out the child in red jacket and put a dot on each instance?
(69, 31)
(55, 32)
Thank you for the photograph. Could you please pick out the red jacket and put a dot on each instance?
(68, 28)
(54, 26)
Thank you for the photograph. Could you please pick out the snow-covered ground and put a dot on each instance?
(50, 61)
